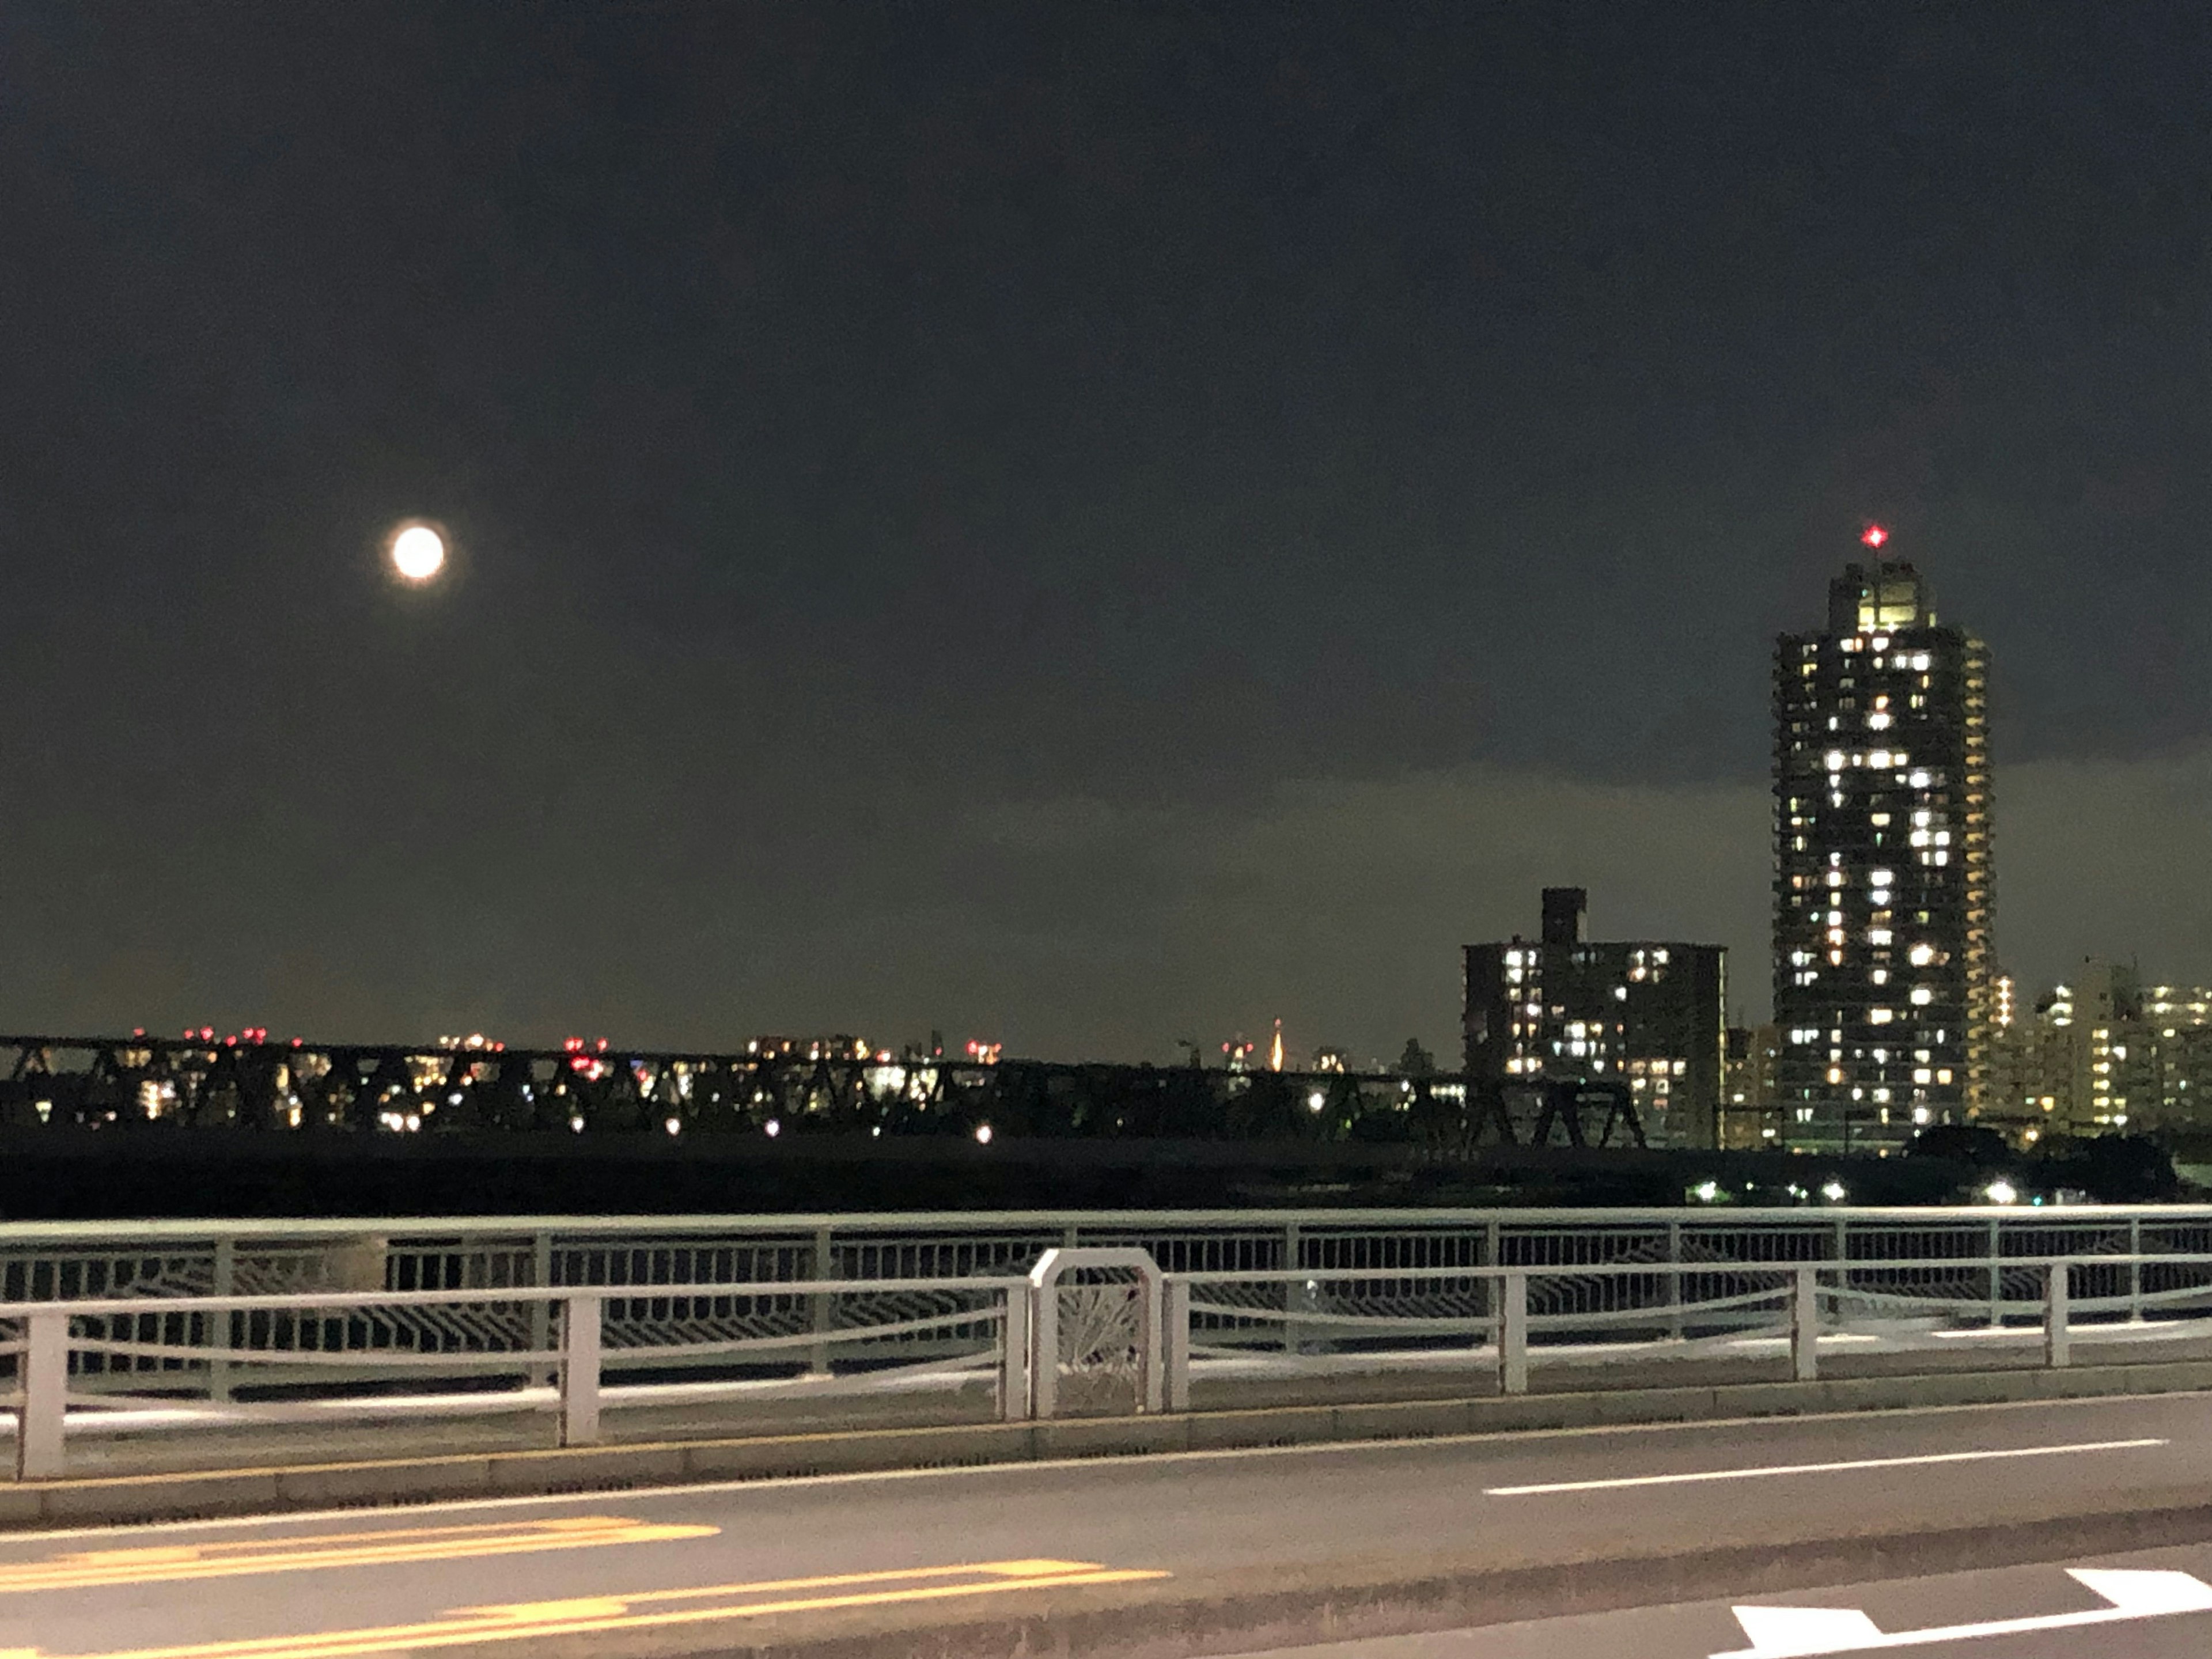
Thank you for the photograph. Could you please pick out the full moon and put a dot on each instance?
(418, 552)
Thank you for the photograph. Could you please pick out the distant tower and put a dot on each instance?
(1883, 976)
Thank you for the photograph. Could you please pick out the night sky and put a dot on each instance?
(1087, 525)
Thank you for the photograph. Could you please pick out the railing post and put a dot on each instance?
(220, 1326)
(1842, 1235)
(541, 1312)
(1295, 1300)
(1513, 1334)
(41, 1405)
(1175, 1343)
(1151, 1351)
(1014, 1355)
(2057, 1348)
(1805, 1325)
(579, 1371)
(1492, 1256)
(1044, 1343)
(825, 1261)
(1996, 1278)
(1674, 1279)
(2134, 1271)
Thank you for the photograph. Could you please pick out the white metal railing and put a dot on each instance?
(181, 1260)
(1088, 1328)
(349, 1336)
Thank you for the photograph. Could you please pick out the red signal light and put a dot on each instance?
(1874, 535)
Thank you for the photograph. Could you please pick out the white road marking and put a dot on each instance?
(1779, 1632)
(1758, 1472)
(1805, 1633)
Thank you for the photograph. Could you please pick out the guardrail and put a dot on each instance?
(41, 1261)
(1098, 1330)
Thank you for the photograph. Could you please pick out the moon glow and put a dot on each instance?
(418, 552)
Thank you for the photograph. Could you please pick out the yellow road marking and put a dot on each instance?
(168, 1563)
(596, 1614)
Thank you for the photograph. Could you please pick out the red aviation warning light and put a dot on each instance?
(1874, 535)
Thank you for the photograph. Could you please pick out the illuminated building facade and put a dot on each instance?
(2106, 1054)
(1750, 1117)
(1645, 1011)
(1884, 981)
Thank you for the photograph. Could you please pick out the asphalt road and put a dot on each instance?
(630, 1565)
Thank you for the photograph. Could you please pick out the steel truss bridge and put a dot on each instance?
(308, 1088)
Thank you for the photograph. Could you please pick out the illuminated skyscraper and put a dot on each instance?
(1884, 986)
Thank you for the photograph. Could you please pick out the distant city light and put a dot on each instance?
(2001, 1192)
(1874, 536)
(1834, 1191)
(983, 1133)
(418, 552)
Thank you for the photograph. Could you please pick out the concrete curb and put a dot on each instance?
(120, 1500)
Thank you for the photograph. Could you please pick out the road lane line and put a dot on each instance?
(170, 1563)
(1093, 1466)
(602, 1614)
(1759, 1472)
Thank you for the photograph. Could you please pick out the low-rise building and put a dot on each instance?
(1564, 1008)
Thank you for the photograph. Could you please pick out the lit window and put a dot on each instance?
(1922, 996)
(1879, 1016)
